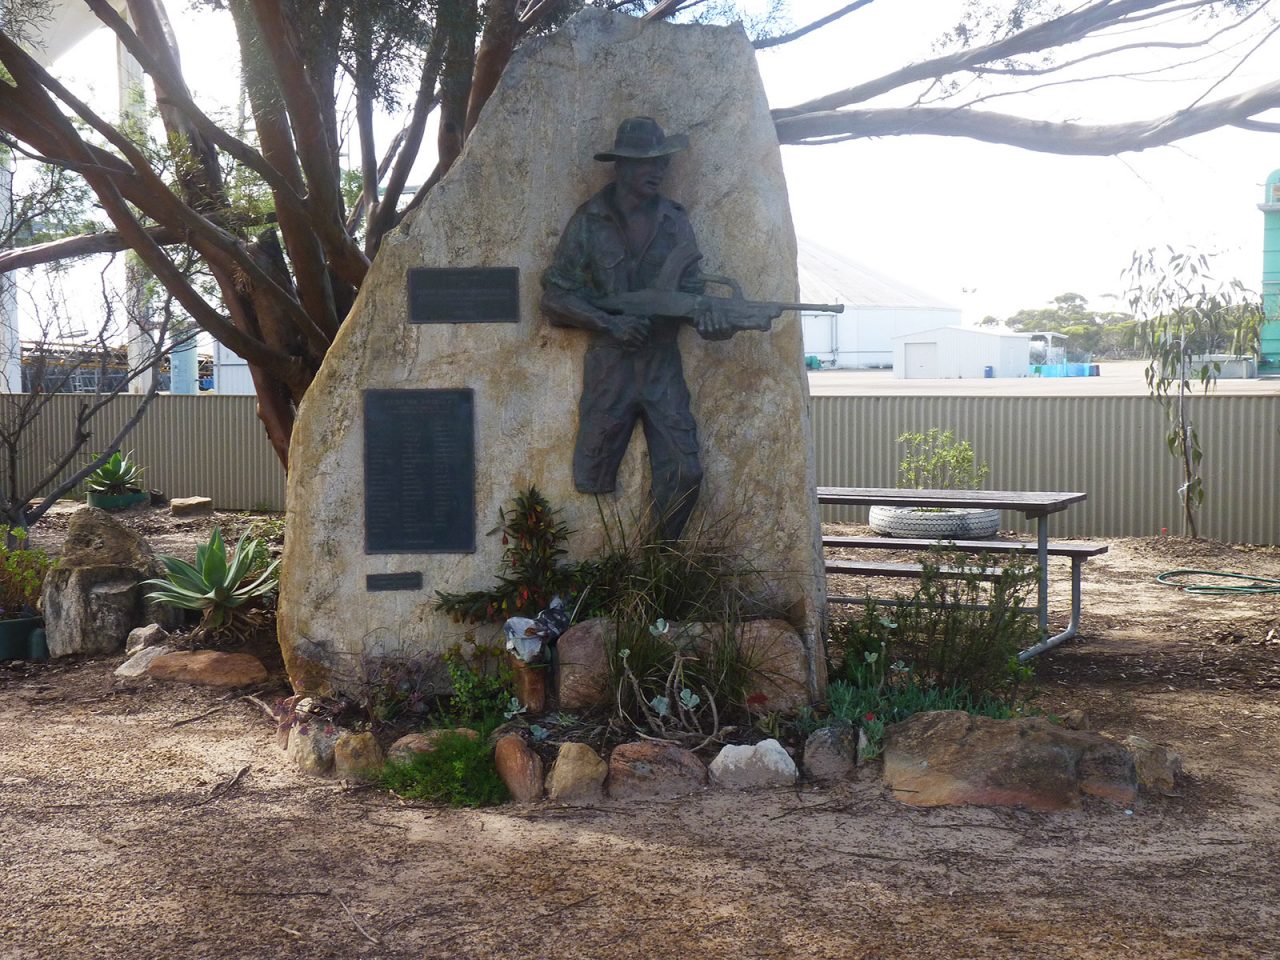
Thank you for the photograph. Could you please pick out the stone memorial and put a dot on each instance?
(454, 385)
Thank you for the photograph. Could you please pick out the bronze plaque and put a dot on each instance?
(464, 295)
(419, 471)
(382, 582)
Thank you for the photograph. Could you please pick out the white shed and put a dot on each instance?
(231, 374)
(948, 353)
(876, 309)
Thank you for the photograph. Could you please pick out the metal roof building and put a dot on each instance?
(877, 309)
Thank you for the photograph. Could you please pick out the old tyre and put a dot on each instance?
(934, 524)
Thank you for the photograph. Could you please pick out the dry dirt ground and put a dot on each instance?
(140, 820)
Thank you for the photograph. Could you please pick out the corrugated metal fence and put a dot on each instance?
(1110, 447)
(190, 446)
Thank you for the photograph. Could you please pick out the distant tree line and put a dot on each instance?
(1118, 335)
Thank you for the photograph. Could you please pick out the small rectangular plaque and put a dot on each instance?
(378, 582)
(464, 295)
(419, 471)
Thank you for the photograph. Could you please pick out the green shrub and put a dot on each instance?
(459, 771)
(22, 574)
(938, 461)
(954, 631)
(482, 687)
(532, 571)
(936, 651)
(667, 680)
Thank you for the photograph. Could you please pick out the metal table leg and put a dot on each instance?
(1072, 628)
(1042, 552)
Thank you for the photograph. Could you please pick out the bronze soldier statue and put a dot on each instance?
(619, 241)
(626, 270)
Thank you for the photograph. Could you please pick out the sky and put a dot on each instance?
(990, 229)
(994, 229)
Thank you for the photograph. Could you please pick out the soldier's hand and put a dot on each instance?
(712, 324)
(630, 330)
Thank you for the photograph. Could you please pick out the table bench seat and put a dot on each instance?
(857, 568)
(1057, 548)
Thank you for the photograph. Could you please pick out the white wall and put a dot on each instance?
(231, 375)
(949, 353)
(863, 336)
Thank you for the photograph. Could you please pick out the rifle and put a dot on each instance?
(735, 312)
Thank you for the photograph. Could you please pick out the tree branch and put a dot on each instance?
(386, 216)
(1055, 32)
(1063, 138)
(766, 42)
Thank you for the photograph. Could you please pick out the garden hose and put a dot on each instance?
(1254, 585)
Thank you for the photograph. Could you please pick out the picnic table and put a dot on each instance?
(1033, 504)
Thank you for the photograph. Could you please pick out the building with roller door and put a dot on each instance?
(948, 353)
(877, 308)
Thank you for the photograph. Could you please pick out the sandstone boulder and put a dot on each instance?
(92, 596)
(311, 747)
(152, 635)
(763, 764)
(831, 753)
(191, 507)
(1159, 768)
(519, 767)
(356, 756)
(651, 769)
(210, 668)
(526, 167)
(136, 666)
(410, 744)
(578, 774)
(775, 654)
(949, 757)
(584, 665)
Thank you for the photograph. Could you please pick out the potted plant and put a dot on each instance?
(22, 573)
(116, 484)
(937, 461)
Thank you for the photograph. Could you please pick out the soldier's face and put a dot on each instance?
(641, 178)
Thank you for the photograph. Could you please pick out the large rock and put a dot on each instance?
(92, 596)
(775, 655)
(138, 664)
(210, 668)
(411, 744)
(578, 774)
(357, 756)
(653, 769)
(763, 764)
(311, 747)
(526, 167)
(831, 753)
(519, 767)
(191, 506)
(583, 663)
(1159, 768)
(948, 757)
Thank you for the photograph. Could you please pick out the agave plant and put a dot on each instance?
(216, 585)
(120, 474)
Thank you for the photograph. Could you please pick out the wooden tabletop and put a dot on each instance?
(1033, 503)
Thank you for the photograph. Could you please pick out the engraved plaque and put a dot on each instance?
(379, 582)
(419, 471)
(464, 295)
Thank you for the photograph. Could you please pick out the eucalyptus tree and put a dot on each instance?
(286, 271)
(1185, 317)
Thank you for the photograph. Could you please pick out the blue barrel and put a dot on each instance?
(988, 372)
